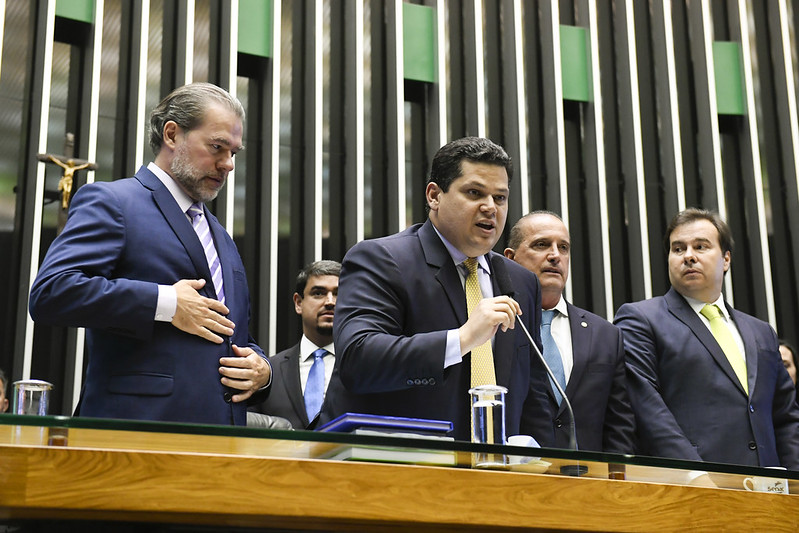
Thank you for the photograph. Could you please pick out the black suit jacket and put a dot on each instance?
(285, 398)
(597, 388)
(397, 298)
(688, 401)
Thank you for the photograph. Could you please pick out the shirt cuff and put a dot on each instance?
(453, 356)
(167, 303)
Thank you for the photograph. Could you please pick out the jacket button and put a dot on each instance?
(558, 423)
(432, 381)
(409, 382)
(751, 408)
(417, 381)
(425, 381)
(752, 445)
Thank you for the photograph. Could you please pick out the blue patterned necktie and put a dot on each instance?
(200, 225)
(315, 386)
(551, 352)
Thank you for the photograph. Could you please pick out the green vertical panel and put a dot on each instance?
(574, 63)
(419, 42)
(82, 10)
(255, 27)
(729, 78)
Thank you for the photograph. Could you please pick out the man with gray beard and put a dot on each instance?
(156, 280)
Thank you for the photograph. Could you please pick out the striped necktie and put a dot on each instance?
(200, 225)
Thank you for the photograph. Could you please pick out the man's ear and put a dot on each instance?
(510, 253)
(432, 193)
(171, 132)
(297, 303)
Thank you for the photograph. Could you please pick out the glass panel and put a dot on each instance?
(12, 92)
(202, 33)
(109, 79)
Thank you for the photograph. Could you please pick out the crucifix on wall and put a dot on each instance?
(70, 166)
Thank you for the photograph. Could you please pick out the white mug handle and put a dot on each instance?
(749, 481)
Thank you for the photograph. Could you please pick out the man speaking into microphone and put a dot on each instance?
(409, 340)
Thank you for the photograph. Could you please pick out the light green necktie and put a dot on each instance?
(727, 342)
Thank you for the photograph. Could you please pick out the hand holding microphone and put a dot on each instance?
(486, 318)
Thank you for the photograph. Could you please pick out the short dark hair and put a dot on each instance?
(516, 236)
(317, 268)
(693, 214)
(791, 349)
(186, 106)
(3, 381)
(446, 166)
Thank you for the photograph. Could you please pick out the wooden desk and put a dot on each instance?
(237, 481)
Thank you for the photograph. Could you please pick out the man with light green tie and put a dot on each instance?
(706, 381)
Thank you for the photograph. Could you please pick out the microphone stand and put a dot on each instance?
(506, 288)
(570, 470)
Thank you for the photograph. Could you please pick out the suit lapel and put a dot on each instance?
(437, 256)
(680, 308)
(180, 225)
(750, 346)
(581, 343)
(290, 369)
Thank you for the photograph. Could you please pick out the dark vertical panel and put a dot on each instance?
(623, 191)
(131, 46)
(173, 60)
(513, 142)
(457, 76)
(342, 29)
(26, 188)
(779, 164)
(534, 98)
(15, 85)
(379, 94)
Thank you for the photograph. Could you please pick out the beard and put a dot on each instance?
(326, 331)
(190, 177)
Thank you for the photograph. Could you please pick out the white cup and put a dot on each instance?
(773, 485)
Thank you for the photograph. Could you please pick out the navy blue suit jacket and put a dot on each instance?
(597, 388)
(397, 298)
(687, 400)
(122, 239)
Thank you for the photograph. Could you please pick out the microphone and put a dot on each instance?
(506, 288)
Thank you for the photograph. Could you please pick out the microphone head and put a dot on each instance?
(501, 275)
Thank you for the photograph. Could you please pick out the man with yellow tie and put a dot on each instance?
(421, 316)
(706, 381)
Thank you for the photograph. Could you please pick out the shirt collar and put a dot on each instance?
(561, 307)
(459, 257)
(184, 200)
(697, 305)
(307, 348)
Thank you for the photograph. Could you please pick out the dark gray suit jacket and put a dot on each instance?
(687, 400)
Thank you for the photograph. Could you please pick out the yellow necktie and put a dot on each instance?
(727, 342)
(482, 356)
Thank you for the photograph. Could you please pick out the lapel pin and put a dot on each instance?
(584, 324)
